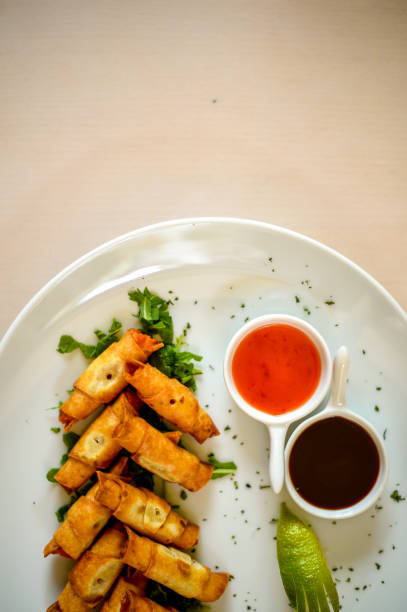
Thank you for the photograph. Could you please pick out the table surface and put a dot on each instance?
(115, 115)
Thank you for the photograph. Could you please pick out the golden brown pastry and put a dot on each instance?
(158, 453)
(97, 569)
(145, 512)
(96, 448)
(103, 379)
(173, 568)
(84, 520)
(68, 601)
(135, 583)
(170, 399)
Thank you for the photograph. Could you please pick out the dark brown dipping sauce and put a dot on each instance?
(334, 463)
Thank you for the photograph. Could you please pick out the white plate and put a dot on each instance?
(226, 265)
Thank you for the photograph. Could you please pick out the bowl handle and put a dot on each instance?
(340, 372)
(276, 463)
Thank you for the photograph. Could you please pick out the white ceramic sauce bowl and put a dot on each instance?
(278, 424)
(336, 407)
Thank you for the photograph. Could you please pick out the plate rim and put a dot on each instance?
(93, 253)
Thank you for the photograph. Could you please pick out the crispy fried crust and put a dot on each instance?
(96, 448)
(145, 512)
(73, 474)
(135, 584)
(103, 379)
(97, 569)
(157, 453)
(84, 520)
(173, 568)
(170, 399)
(68, 601)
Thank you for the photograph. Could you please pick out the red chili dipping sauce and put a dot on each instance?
(276, 368)
(334, 463)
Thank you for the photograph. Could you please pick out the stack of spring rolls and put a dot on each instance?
(121, 535)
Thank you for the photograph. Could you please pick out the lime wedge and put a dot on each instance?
(304, 572)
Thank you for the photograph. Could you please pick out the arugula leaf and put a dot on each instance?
(166, 597)
(153, 314)
(221, 468)
(67, 344)
(175, 363)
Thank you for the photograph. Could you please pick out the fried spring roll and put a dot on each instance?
(157, 453)
(96, 448)
(98, 568)
(84, 520)
(103, 379)
(145, 512)
(173, 568)
(68, 601)
(135, 584)
(73, 474)
(134, 603)
(170, 399)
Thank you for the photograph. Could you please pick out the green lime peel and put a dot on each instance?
(304, 572)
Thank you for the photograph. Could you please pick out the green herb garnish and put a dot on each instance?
(51, 474)
(55, 407)
(67, 344)
(221, 468)
(155, 319)
(176, 363)
(396, 496)
(69, 439)
(153, 314)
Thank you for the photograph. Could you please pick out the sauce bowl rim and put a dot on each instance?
(324, 380)
(377, 489)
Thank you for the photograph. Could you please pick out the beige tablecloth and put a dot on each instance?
(119, 114)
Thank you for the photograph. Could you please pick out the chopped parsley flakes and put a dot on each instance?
(221, 469)
(396, 496)
(153, 314)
